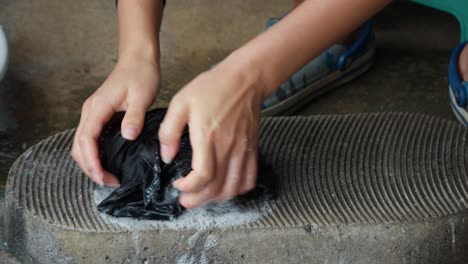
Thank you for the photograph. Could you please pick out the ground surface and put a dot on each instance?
(62, 50)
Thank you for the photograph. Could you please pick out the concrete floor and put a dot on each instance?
(62, 50)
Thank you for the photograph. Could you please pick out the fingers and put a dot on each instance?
(223, 124)
(76, 151)
(131, 86)
(206, 180)
(235, 172)
(250, 173)
(208, 194)
(87, 140)
(234, 177)
(241, 174)
(95, 115)
(110, 180)
(170, 130)
(203, 165)
(134, 119)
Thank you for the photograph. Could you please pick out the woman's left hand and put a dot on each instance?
(222, 109)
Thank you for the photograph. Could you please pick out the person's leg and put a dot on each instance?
(458, 82)
(349, 58)
(463, 64)
(458, 66)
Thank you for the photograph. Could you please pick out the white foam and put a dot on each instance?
(210, 242)
(223, 215)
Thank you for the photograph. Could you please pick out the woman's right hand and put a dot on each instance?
(132, 86)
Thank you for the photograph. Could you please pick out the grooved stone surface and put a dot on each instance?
(362, 187)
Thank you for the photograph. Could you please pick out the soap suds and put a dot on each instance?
(186, 259)
(192, 240)
(224, 215)
(211, 242)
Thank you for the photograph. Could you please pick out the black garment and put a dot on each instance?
(146, 190)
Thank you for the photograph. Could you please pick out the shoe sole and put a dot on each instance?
(326, 84)
(460, 113)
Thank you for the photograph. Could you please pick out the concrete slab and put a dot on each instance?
(61, 51)
(6, 258)
(357, 188)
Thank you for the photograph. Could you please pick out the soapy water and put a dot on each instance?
(221, 215)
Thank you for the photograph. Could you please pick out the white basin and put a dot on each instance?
(3, 53)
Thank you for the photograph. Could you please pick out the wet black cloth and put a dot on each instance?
(146, 190)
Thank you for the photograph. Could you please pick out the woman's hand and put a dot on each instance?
(132, 86)
(222, 110)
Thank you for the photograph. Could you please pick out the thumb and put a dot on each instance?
(170, 130)
(133, 122)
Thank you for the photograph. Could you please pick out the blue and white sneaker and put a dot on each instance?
(336, 66)
(458, 89)
(3, 53)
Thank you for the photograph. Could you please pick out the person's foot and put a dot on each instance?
(3, 53)
(458, 82)
(336, 66)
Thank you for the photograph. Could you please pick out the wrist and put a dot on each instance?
(244, 70)
(139, 24)
(149, 54)
(138, 64)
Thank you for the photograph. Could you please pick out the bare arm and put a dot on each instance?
(302, 35)
(222, 106)
(139, 25)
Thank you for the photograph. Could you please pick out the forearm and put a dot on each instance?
(273, 56)
(139, 25)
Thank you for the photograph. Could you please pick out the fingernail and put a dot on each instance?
(176, 184)
(99, 182)
(98, 178)
(130, 132)
(164, 153)
(112, 183)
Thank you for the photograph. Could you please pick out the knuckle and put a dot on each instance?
(163, 131)
(244, 139)
(86, 103)
(250, 186)
(134, 119)
(82, 139)
(229, 194)
(205, 176)
(166, 130)
(97, 101)
(93, 103)
(210, 193)
(176, 100)
(211, 133)
(246, 143)
(89, 103)
(74, 153)
(135, 83)
(244, 190)
(235, 178)
(203, 181)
